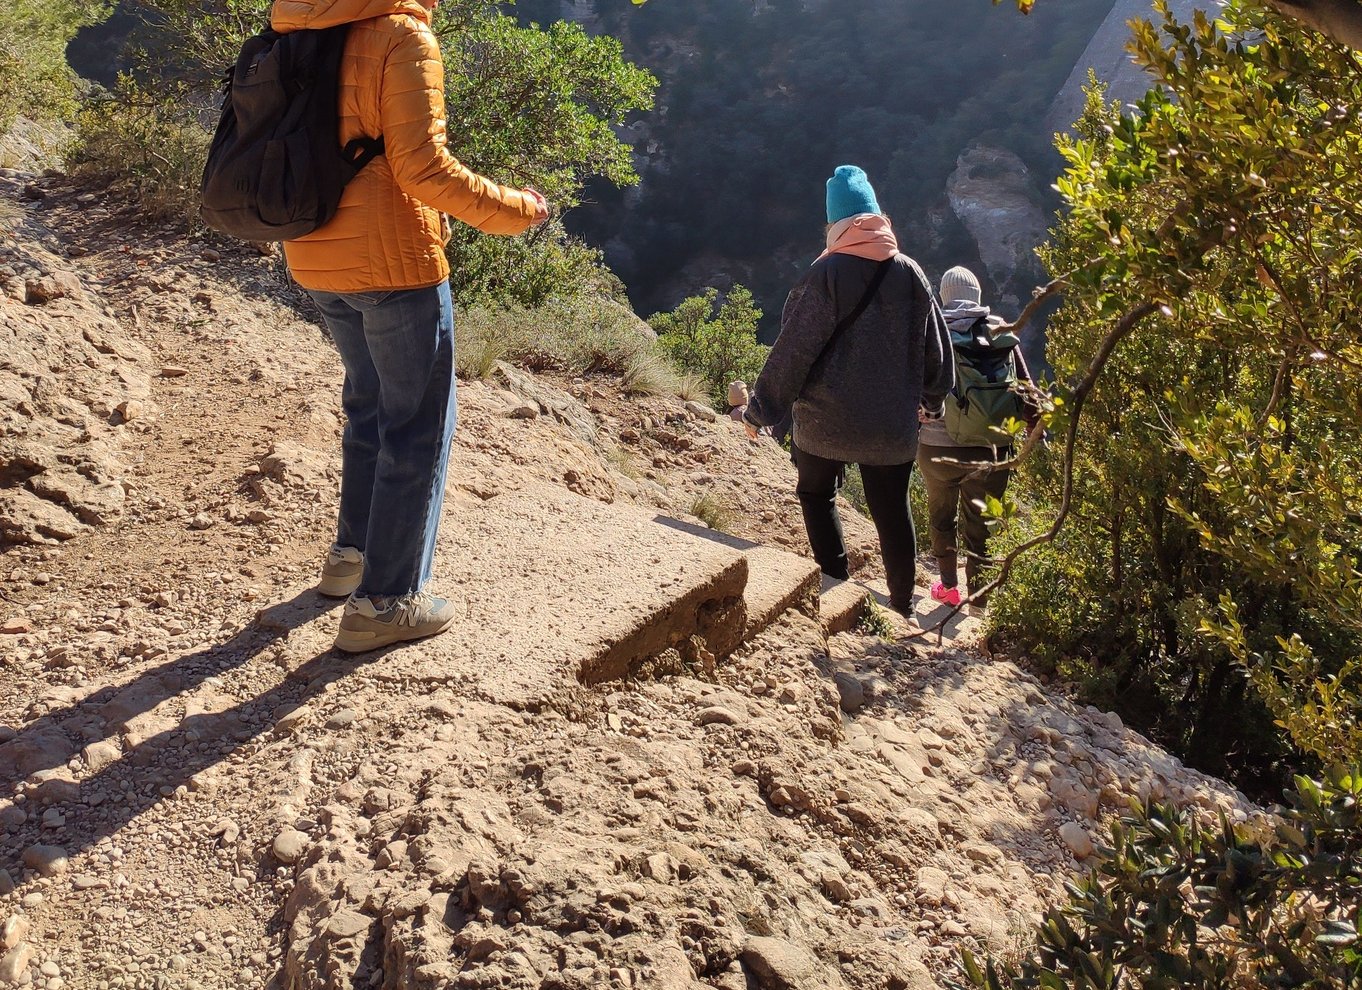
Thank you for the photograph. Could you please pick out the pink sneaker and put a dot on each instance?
(947, 596)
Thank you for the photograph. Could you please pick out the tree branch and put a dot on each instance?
(1096, 366)
(1039, 298)
(1339, 20)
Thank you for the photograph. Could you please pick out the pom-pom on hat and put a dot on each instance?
(960, 283)
(850, 193)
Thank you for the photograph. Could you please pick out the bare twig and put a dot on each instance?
(1039, 298)
(1278, 388)
(1096, 366)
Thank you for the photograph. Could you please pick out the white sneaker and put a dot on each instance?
(365, 626)
(341, 573)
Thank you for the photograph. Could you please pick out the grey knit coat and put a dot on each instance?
(858, 402)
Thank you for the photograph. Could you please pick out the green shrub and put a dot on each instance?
(525, 271)
(1177, 903)
(576, 336)
(875, 620)
(35, 78)
(1206, 580)
(149, 144)
(476, 356)
(717, 342)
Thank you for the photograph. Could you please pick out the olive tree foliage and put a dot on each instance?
(34, 74)
(1227, 205)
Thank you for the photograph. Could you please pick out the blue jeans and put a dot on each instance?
(400, 409)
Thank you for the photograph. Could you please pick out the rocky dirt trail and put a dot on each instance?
(651, 755)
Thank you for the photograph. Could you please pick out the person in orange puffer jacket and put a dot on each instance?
(379, 274)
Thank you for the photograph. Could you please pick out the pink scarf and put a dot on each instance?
(866, 235)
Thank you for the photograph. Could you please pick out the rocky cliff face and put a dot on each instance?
(994, 195)
(1107, 56)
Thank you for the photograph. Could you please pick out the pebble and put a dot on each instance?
(716, 715)
(15, 962)
(850, 690)
(701, 411)
(342, 718)
(289, 845)
(47, 861)
(99, 755)
(292, 718)
(12, 932)
(130, 409)
(1078, 840)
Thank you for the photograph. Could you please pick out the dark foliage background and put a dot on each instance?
(760, 101)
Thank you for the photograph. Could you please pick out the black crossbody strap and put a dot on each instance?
(876, 281)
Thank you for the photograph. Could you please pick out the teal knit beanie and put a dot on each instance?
(849, 193)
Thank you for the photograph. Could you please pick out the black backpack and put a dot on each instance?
(276, 169)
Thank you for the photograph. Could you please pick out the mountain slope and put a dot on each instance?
(198, 792)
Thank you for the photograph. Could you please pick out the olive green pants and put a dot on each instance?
(955, 504)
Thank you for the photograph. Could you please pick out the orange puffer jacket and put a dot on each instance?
(388, 232)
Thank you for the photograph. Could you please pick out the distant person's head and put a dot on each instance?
(850, 194)
(960, 285)
(737, 393)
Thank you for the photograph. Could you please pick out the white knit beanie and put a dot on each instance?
(960, 283)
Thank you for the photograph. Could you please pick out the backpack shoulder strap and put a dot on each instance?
(876, 281)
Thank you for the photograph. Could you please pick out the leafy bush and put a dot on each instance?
(875, 620)
(1210, 558)
(146, 143)
(1176, 903)
(528, 270)
(535, 105)
(716, 341)
(34, 76)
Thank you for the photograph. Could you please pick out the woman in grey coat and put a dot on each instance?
(862, 345)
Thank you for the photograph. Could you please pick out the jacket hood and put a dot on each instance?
(299, 15)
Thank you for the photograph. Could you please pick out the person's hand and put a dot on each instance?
(922, 416)
(541, 205)
(752, 432)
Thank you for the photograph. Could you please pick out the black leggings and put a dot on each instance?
(886, 493)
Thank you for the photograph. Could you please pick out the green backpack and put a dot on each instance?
(986, 392)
